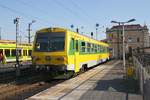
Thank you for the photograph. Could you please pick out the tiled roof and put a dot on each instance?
(131, 26)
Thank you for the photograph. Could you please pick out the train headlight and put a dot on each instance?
(60, 58)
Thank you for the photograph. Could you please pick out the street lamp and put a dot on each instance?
(29, 29)
(123, 34)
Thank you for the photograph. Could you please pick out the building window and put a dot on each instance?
(129, 39)
(138, 39)
(138, 50)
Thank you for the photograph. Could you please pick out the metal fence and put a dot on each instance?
(142, 73)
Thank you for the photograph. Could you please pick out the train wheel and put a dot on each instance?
(82, 70)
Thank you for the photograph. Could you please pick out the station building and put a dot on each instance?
(136, 37)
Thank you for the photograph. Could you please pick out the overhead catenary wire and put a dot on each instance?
(23, 14)
(38, 9)
(83, 11)
(58, 3)
(74, 13)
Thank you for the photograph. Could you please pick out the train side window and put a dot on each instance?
(72, 44)
(101, 49)
(20, 53)
(7, 52)
(24, 52)
(13, 52)
(82, 46)
(77, 47)
(30, 52)
(92, 48)
(95, 47)
(1, 50)
(107, 49)
(88, 47)
(98, 48)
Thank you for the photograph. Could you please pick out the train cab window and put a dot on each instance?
(7, 52)
(50, 42)
(77, 46)
(13, 52)
(30, 52)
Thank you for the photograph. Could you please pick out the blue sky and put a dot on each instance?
(63, 13)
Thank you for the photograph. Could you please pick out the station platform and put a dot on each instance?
(104, 82)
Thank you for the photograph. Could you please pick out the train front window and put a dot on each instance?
(50, 42)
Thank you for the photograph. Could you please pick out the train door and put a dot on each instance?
(76, 56)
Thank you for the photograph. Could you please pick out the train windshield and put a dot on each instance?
(50, 42)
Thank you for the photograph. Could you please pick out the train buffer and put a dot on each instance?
(105, 82)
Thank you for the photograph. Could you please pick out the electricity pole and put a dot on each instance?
(29, 30)
(16, 21)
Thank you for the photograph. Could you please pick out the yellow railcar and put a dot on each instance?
(8, 49)
(63, 49)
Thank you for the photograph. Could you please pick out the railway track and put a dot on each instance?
(10, 67)
(27, 85)
(24, 85)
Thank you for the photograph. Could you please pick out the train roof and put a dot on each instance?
(64, 29)
(14, 42)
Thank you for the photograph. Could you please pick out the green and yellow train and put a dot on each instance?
(8, 49)
(62, 49)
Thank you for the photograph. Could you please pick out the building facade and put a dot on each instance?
(136, 37)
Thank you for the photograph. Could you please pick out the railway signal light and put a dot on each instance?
(72, 26)
(91, 34)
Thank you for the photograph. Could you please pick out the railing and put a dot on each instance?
(143, 75)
